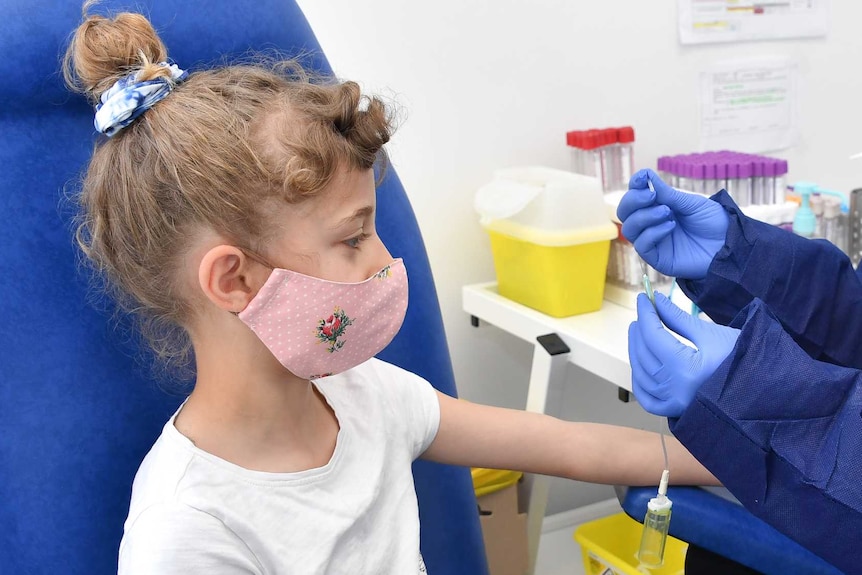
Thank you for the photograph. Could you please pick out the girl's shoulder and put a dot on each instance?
(375, 379)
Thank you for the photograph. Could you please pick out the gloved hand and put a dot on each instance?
(675, 232)
(666, 373)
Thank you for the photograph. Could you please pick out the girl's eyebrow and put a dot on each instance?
(360, 213)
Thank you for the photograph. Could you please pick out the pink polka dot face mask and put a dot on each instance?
(316, 327)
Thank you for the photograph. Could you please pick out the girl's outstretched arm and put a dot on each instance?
(477, 435)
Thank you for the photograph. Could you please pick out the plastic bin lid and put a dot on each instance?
(487, 481)
(545, 206)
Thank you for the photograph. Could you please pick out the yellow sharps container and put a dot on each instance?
(550, 233)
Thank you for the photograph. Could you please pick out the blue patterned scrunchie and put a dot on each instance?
(127, 99)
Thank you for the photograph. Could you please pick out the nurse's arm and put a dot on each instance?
(477, 435)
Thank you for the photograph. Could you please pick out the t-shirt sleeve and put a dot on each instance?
(174, 539)
(414, 402)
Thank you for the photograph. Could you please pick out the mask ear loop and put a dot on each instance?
(255, 257)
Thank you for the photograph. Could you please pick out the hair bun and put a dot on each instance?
(104, 49)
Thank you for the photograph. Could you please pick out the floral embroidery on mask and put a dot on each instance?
(383, 274)
(329, 330)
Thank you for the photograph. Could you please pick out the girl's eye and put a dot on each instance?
(355, 241)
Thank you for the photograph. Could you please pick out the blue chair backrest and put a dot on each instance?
(78, 410)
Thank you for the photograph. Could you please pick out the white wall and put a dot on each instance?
(487, 84)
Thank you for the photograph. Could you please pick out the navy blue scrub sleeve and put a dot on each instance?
(783, 432)
(809, 285)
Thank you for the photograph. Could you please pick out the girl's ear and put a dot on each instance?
(229, 278)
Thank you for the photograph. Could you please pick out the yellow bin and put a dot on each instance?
(557, 273)
(609, 547)
(550, 235)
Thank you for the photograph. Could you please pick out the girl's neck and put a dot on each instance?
(246, 408)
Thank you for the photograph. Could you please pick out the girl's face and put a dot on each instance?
(332, 236)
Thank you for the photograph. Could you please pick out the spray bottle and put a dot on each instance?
(804, 222)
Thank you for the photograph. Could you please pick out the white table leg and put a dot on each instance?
(544, 395)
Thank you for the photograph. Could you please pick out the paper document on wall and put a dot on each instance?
(702, 21)
(749, 106)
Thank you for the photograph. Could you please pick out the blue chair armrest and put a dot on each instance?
(712, 522)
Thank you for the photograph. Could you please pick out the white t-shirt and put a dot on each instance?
(192, 512)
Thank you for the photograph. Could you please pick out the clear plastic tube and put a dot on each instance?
(743, 191)
(633, 276)
(627, 164)
(657, 518)
(654, 536)
(611, 164)
(780, 188)
(757, 191)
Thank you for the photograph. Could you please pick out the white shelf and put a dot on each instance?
(598, 340)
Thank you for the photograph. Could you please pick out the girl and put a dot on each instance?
(233, 211)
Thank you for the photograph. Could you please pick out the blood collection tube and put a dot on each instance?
(593, 155)
(684, 171)
(610, 155)
(625, 139)
(720, 174)
(769, 168)
(757, 181)
(573, 140)
(780, 181)
(744, 171)
(732, 170)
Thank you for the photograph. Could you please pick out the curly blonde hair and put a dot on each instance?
(213, 154)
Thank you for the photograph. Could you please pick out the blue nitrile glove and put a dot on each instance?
(666, 373)
(675, 232)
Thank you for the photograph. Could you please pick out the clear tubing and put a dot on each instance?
(633, 275)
